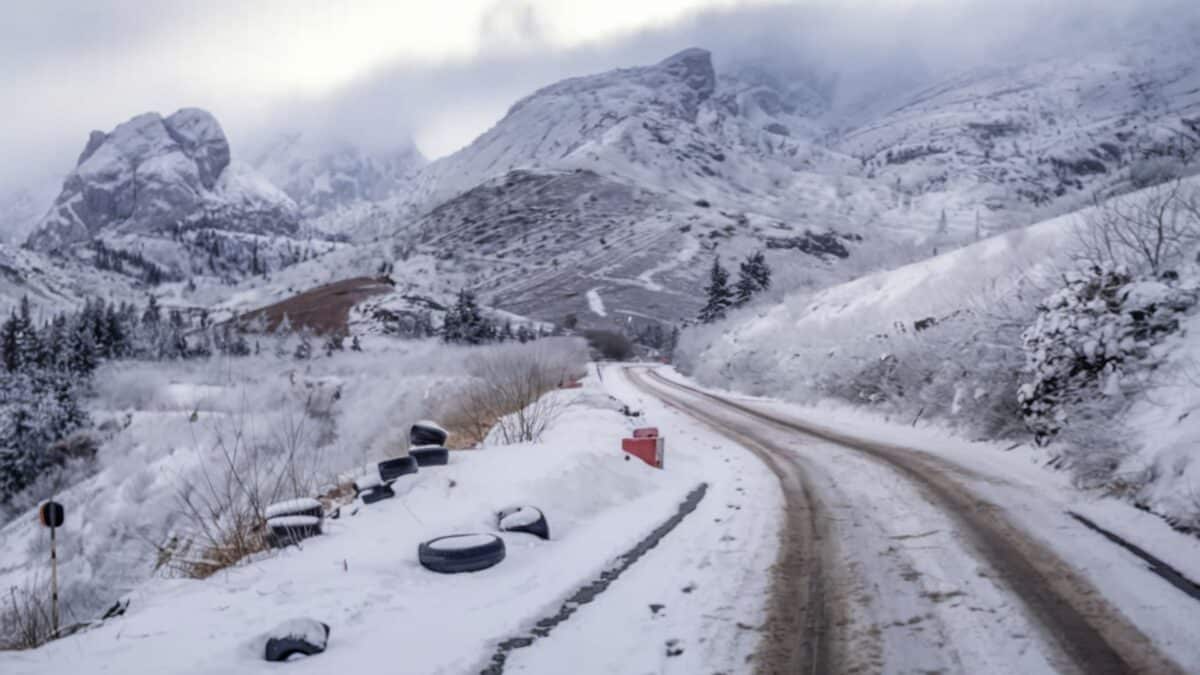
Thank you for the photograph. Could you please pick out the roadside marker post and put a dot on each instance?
(51, 515)
(646, 445)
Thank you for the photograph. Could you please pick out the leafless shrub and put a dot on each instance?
(1147, 232)
(506, 392)
(223, 504)
(25, 616)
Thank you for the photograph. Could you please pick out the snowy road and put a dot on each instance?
(899, 561)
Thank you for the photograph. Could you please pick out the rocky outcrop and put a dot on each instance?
(154, 175)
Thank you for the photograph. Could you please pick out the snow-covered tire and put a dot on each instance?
(427, 432)
(391, 469)
(304, 506)
(526, 519)
(288, 530)
(377, 494)
(430, 456)
(457, 553)
(299, 636)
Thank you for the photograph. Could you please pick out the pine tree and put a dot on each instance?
(81, 348)
(9, 349)
(303, 347)
(719, 296)
(754, 276)
(153, 315)
(465, 323)
(118, 346)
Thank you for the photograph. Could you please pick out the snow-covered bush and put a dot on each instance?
(1093, 343)
(505, 398)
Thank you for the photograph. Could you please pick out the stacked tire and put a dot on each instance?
(293, 521)
(391, 469)
(427, 441)
(370, 487)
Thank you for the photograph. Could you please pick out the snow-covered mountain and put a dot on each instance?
(1027, 139)
(161, 196)
(623, 185)
(325, 176)
(21, 209)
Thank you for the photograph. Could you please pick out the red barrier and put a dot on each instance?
(649, 450)
(646, 432)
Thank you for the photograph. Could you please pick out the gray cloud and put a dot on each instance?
(867, 45)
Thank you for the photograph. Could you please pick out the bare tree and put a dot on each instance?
(1146, 231)
(223, 504)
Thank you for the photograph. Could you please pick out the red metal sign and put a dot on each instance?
(649, 450)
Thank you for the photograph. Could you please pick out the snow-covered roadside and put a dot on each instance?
(362, 577)
(1040, 502)
(694, 603)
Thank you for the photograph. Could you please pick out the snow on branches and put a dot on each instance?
(1094, 340)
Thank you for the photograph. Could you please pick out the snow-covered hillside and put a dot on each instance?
(1028, 137)
(323, 177)
(55, 284)
(947, 338)
(362, 577)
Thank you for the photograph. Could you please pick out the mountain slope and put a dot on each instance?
(323, 177)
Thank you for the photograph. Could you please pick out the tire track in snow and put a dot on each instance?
(1088, 635)
(586, 594)
(798, 636)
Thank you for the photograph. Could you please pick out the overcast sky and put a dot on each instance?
(441, 72)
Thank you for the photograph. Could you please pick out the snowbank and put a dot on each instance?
(362, 576)
(168, 425)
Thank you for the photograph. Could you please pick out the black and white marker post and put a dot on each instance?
(51, 514)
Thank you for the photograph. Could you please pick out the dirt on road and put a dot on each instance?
(819, 584)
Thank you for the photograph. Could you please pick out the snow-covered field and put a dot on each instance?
(362, 577)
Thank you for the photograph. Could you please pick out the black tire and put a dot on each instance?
(391, 469)
(448, 557)
(303, 636)
(528, 519)
(377, 494)
(430, 456)
(427, 433)
(305, 506)
(288, 530)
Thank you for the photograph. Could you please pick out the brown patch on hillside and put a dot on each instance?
(322, 310)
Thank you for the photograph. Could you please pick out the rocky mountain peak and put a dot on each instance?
(201, 138)
(153, 175)
(694, 68)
